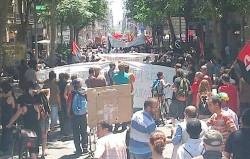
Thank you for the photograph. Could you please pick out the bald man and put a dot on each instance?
(181, 136)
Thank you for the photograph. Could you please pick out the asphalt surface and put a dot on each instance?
(63, 148)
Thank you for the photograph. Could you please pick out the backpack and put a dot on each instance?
(79, 103)
(42, 99)
(156, 88)
(183, 89)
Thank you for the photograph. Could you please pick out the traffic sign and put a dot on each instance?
(40, 8)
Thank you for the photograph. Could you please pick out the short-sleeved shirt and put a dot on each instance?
(121, 78)
(142, 125)
(238, 144)
(54, 91)
(111, 146)
(222, 123)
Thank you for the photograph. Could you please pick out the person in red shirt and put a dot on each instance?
(232, 92)
(195, 86)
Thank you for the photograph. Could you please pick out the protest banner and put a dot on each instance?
(145, 74)
(135, 57)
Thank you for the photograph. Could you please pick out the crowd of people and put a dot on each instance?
(209, 112)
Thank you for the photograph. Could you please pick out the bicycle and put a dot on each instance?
(24, 140)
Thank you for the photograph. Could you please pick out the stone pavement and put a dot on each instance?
(65, 149)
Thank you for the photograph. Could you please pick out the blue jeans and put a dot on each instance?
(54, 115)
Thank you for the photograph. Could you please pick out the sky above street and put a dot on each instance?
(117, 9)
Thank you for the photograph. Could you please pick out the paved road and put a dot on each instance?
(65, 149)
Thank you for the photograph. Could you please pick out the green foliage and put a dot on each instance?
(241, 5)
(75, 12)
(99, 9)
(217, 8)
(154, 12)
(64, 50)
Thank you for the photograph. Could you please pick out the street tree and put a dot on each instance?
(155, 14)
(3, 18)
(75, 14)
(219, 12)
(78, 14)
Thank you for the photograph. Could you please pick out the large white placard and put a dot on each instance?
(145, 75)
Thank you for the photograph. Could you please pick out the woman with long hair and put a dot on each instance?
(204, 92)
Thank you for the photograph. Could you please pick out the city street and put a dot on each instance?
(72, 65)
(65, 149)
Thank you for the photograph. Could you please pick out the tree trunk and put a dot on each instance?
(154, 35)
(53, 27)
(71, 34)
(61, 32)
(216, 34)
(242, 32)
(3, 19)
(224, 31)
(171, 28)
(76, 33)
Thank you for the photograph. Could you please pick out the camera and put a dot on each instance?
(204, 100)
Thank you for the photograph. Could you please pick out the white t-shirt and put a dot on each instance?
(111, 146)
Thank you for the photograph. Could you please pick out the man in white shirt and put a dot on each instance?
(194, 146)
(181, 136)
(109, 145)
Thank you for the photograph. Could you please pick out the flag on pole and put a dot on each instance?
(244, 61)
(74, 48)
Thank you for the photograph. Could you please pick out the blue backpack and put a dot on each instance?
(79, 103)
(156, 88)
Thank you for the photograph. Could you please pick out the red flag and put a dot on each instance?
(74, 48)
(244, 55)
(244, 61)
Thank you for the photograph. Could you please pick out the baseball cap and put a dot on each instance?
(213, 138)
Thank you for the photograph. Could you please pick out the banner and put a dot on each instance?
(140, 40)
(136, 57)
(145, 74)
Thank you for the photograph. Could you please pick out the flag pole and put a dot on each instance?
(232, 66)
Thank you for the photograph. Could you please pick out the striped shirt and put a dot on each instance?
(222, 123)
(142, 125)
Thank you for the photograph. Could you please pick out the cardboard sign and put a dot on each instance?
(110, 104)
